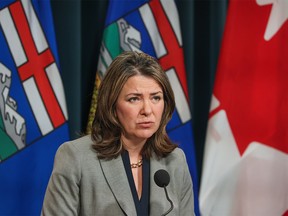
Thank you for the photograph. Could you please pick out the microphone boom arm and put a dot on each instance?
(170, 201)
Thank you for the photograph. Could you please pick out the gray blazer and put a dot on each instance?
(81, 184)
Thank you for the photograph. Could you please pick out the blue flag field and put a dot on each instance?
(33, 114)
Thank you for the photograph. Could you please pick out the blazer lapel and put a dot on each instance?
(116, 178)
(158, 202)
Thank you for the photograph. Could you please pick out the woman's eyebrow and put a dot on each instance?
(134, 94)
(139, 94)
(155, 93)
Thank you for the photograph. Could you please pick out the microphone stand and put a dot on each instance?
(170, 201)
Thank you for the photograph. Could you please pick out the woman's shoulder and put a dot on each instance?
(175, 163)
(80, 145)
(73, 157)
(175, 157)
(178, 153)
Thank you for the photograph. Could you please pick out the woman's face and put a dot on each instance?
(139, 108)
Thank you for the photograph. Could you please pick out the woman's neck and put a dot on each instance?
(134, 148)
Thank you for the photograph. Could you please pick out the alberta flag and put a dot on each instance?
(153, 27)
(33, 115)
(245, 169)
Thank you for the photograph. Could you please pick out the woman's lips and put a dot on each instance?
(145, 124)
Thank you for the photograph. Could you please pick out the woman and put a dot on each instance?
(112, 171)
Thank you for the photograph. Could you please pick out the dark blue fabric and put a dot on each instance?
(142, 205)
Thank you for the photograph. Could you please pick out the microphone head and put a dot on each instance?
(161, 178)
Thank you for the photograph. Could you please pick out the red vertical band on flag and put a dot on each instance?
(251, 81)
(36, 64)
(174, 57)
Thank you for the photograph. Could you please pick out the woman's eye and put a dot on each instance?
(133, 99)
(156, 98)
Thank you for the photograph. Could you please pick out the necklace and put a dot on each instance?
(138, 164)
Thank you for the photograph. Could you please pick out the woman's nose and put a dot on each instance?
(146, 109)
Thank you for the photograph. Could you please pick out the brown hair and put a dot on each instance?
(106, 128)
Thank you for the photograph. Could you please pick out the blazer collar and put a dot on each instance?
(115, 175)
(116, 178)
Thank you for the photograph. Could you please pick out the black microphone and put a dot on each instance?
(162, 179)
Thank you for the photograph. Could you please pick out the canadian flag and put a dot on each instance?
(245, 166)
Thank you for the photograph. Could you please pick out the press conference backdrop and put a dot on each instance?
(79, 30)
(252, 60)
(79, 27)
